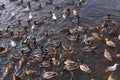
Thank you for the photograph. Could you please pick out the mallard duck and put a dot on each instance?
(68, 54)
(106, 18)
(16, 77)
(34, 62)
(75, 13)
(66, 47)
(49, 32)
(94, 29)
(16, 37)
(114, 76)
(39, 22)
(9, 69)
(53, 53)
(13, 43)
(64, 30)
(64, 15)
(30, 73)
(5, 52)
(118, 37)
(70, 2)
(88, 49)
(96, 35)
(2, 6)
(54, 17)
(55, 62)
(85, 68)
(112, 68)
(22, 61)
(113, 31)
(107, 55)
(69, 62)
(104, 24)
(46, 64)
(49, 2)
(72, 38)
(110, 43)
(37, 8)
(57, 7)
(49, 75)
(118, 56)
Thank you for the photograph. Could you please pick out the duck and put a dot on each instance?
(88, 49)
(16, 37)
(64, 30)
(64, 15)
(49, 2)
(22, 61)
(49, 32)
(49, 75)
(94, 29)
(30, 73)
(55, 62)
(54, 17)
(118, 55)
(46, 64)
(106, 18)
(112, 68)
(85, 68)
(2, 6)
(16, 77)
(37, 8)
(113, 31)
(69, 62)
(68, 54)
(57, 7)
(5, 51)
(97, 36)
(34, 62)
(13, 43)
(75, 13)
(72, 38)
(110, 43)
(30, 16)
(104, 24)
(107, 55)
(70, 2)
(9, 69)
(66, 47)
(114, 76)
(39, 22)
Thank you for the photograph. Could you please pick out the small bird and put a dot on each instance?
(54, 17)
(13, 43)
(26, 9)
(110, 43)
(85, 68)
(12, 14)
(112, 68)
(107, 55)
(30, 16)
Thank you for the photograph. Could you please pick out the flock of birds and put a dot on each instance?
(34, 60)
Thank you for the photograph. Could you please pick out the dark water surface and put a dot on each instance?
(90, 12)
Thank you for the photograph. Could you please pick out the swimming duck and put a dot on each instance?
(94, 29)
(97, 36)
(112, 68)
(57, 7)
(106, 18)
(113, 31)
(49, 32)
(88, 49)
(49, 75)
(104, 24)
(16, 77)
(110, 43)
(22, 61)
(46, 64)
(68, 54)
(107, 55)
(49, 2)
(30, 73)
(16, 37)
(114, 76)
(13, 43)
(53, 53)
(37, 8)
(75, 13)
(2, 6)
(64, 15)
(5, 52)
(34, 62)
(72, 38)
(30, 16)
(118, 56)
(85, 68)
(39, 22)
(64, 30)
(9, 69)
(70, 2)
(55, 62)
(66, 47)
(69, 62)
(54, 17)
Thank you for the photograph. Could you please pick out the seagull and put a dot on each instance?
(26, 9)
(112, 68)
(13, 44)
(54, 16)
(30, 16)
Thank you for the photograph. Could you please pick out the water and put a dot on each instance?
(90, 12)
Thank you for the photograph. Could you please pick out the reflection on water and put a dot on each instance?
(90, 12)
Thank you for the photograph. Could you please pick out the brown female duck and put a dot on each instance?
(107, 55)
(5, 52)
(110, 43)
(9, 69)
(30, 73)
(16, 77)
(22, 61)
(16, 37)
(55, 62)
(49, 75)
